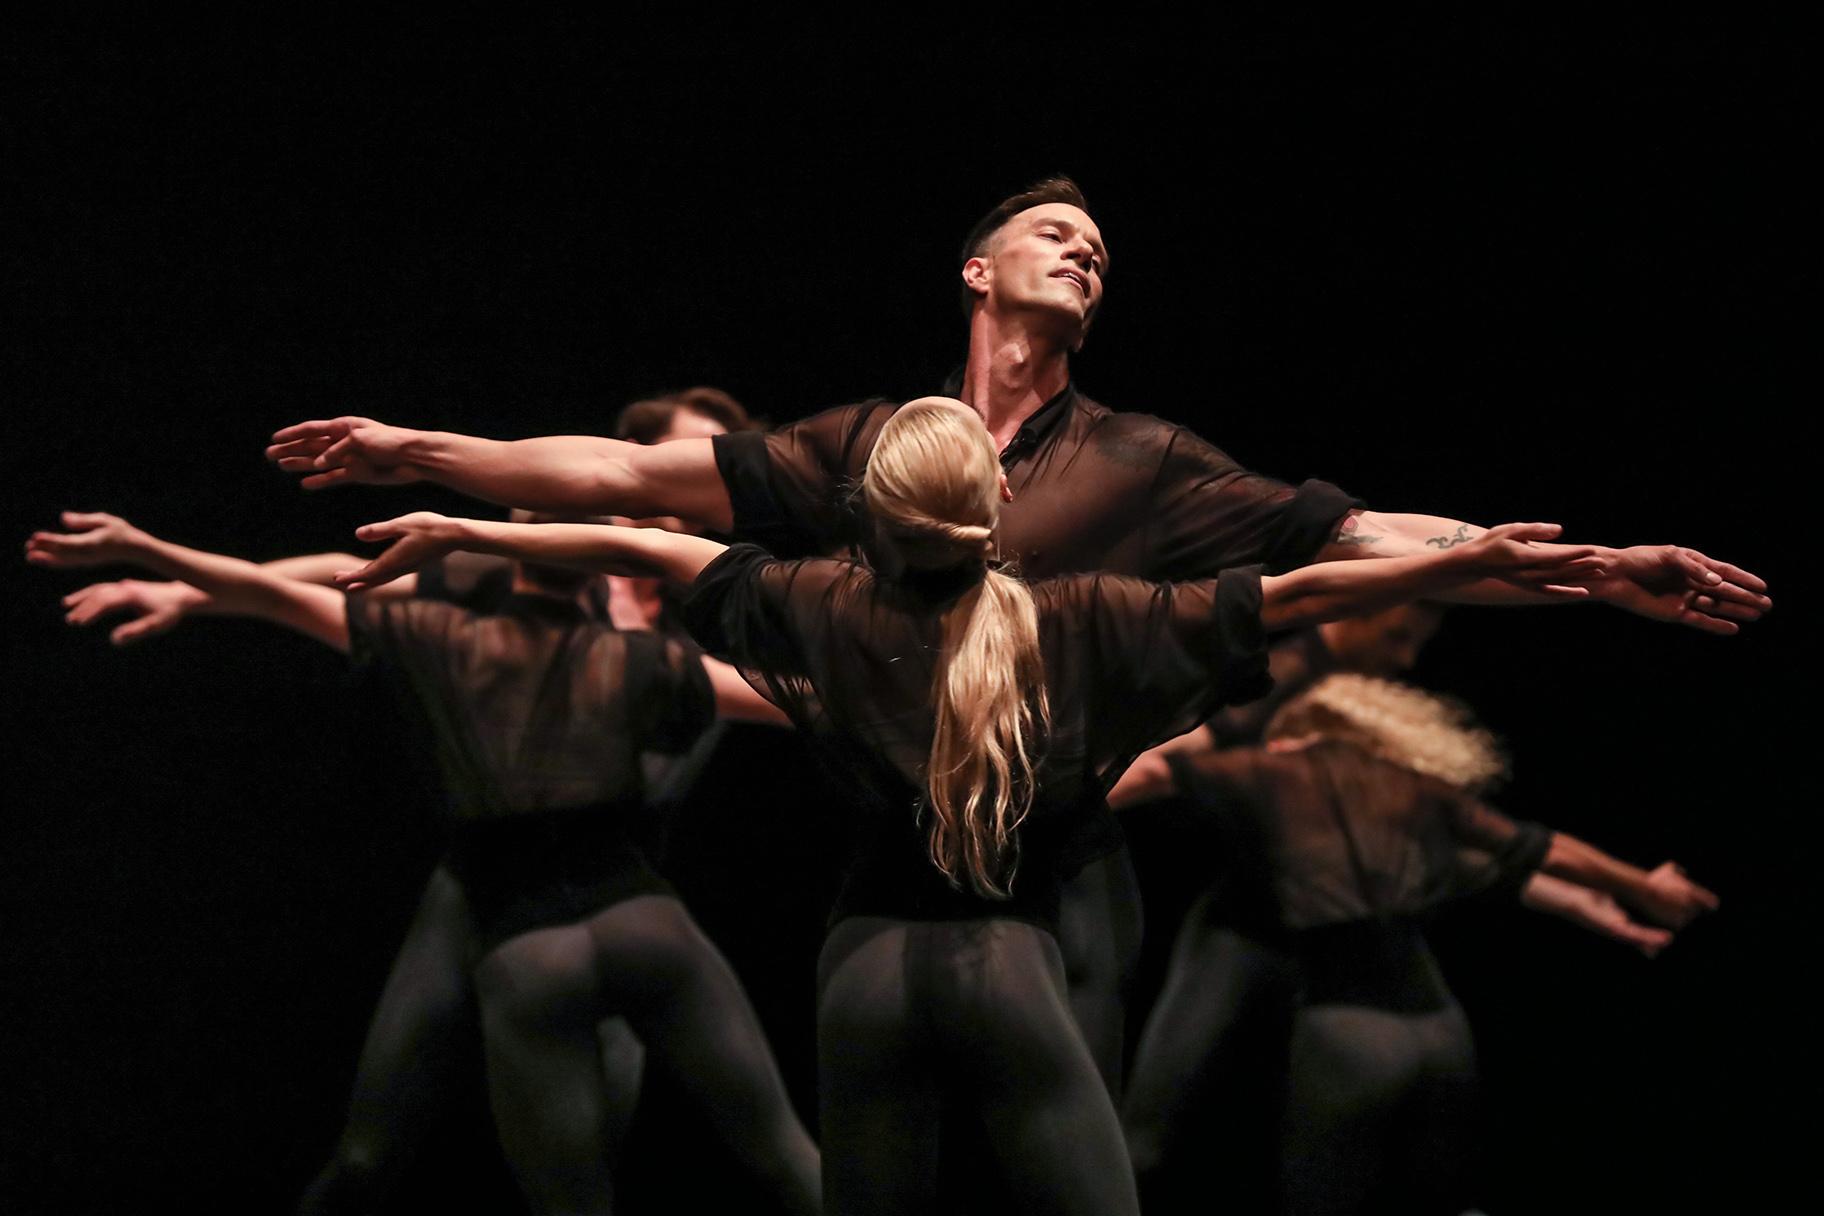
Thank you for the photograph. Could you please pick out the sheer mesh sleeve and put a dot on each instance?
(1295, 663)
(1492, 852)
(1209, 513)
(669, 698)
(416, 636)
(1162, 656)
(757, 613)
(790, 488)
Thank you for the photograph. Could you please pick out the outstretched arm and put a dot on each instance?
(575, 473)
(1664, 895)
(1593, 910)
(236, 587)
(1513, 552)
(1662, 582)
(424, 535)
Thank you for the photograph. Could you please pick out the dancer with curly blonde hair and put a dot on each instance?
(1358, 818)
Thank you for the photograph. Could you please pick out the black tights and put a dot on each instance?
(1208, 1084)
(559, 1065)
(1099, 928)
(543, 995)
(418, 1058)
(1241, 1096)
(1380, 1116)
(919, 1021)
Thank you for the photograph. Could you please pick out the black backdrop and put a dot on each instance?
(1480, 269)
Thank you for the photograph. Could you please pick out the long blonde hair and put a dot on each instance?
(1416, 730)
(932, 487)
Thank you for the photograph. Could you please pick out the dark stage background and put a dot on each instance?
(1483, 270)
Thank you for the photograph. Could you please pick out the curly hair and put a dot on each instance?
(1417, 730)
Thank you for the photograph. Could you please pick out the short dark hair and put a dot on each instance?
(1054, 189)
(644, 421)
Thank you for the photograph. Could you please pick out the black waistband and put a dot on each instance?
(1379, 964)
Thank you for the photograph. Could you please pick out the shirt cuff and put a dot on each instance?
(1310, 522)
(745, 465)
(1240, 637)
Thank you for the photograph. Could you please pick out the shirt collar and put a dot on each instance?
(1036, 429)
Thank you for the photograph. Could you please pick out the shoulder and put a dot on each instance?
(1130, 437)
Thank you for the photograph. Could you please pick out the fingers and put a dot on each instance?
(150, 625)
(1737, 594)
(53, 548)
(1649, 941)
(1735, 574)
(1691, 563)
(386, 529)
(329, 479)
(1729, 610)
(1563, 591)
(299, 449)
(1703, 622)
(333, 428)
(87, 521)
(93, 602)
(1526, 532)
(338, 454)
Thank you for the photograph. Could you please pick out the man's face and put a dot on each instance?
(1386, 643)
(1048, 258)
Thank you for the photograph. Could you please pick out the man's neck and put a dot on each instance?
(1012, 372)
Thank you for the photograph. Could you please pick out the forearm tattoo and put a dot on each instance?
(1350, 534)
(1461, 537)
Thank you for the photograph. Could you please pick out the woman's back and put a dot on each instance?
(854, 657)
(1346, 835)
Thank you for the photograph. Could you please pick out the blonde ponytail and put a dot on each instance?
(933, 488)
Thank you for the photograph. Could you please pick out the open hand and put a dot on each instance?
(155, 607)
(418, 538)
(1682, 587)
(344, 451)
(93, 539)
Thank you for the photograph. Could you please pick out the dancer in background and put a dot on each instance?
(1094, 490)
(424, 1038)
(547, 910)
(1357, 820)
(942, 990)
(1231, 987)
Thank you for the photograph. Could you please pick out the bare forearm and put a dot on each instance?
(1382, 535)
(321, 569)
(579, 474)
(1330, 590)
(232, 586)
(597, 547)
(1576, 861)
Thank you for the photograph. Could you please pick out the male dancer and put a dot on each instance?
(1092, 490)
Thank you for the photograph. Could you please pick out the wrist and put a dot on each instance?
(419, 449)
(467, 534)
